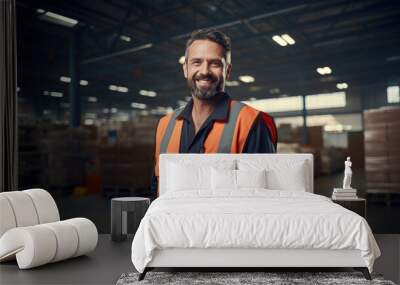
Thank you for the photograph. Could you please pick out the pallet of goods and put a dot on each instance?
(382, 150)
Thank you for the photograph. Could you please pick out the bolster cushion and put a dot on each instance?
(40, 244)
(26, 208)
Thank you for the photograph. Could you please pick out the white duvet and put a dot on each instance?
(253, 218)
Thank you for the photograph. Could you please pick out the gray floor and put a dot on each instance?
(110, 260)
(103, 266)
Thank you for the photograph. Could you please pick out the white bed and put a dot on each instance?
(201, 219)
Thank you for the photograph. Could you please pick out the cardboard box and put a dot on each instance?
(382, 150)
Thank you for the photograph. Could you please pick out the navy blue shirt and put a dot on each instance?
(258, 141)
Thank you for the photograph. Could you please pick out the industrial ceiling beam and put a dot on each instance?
(120, 28)
(384, 34)
(299, 27)
(184, 35)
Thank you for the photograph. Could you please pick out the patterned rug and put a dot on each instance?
(230, 278)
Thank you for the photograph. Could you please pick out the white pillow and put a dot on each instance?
(182, 177)
(294, 180)
(251, 178)
(193, 174)
(223, 179)
(226, 179)
(282, 174)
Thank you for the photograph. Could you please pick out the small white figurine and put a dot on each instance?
(347, 174)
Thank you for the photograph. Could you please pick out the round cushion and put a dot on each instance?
(7, 220)
(23, 208)
(40, 244)
(45, 205)
(87, 233)
(67, 240)
(33, 246)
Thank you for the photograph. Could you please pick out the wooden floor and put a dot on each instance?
(110, 260)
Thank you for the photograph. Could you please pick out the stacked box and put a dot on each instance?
(315, 137)
(288, 147)
(126, 166)
(285, 133)
(382, 150)
(140, 130)
(66, 153)
(30, 159)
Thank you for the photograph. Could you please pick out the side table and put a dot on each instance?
(120, 207)
(357, 205)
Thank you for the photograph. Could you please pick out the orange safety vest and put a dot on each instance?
(225, 136)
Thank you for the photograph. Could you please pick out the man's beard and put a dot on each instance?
(205, 93)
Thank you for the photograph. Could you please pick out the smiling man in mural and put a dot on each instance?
(212, 122)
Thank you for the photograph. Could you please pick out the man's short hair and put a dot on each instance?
(213, 35)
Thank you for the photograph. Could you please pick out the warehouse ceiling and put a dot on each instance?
(136, 45)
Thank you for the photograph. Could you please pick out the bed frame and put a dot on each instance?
(242, 259)
(245, 258)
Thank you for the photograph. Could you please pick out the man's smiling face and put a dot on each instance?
(206, 69)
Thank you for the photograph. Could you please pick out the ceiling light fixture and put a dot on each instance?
(246, 78)
(138, 105)
(65, 79)
(324, 70)
(232, 83)
(125, 38)
(56, 18)
(148, 93)
(56, 94)
(121, 89)
(342, 85)
(288, 39)
(284, 40)
(279, 41)
(92, 99)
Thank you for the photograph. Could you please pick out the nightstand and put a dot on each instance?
(358, 205)
(119, 215)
